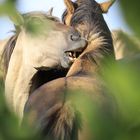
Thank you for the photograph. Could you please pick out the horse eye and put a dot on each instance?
(74, 37)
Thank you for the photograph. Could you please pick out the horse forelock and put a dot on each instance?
(40, 15)
(84, 10)
(89, 12)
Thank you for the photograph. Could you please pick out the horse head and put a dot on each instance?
(87, 18)
(38, 46)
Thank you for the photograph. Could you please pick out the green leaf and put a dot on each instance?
(131, 11)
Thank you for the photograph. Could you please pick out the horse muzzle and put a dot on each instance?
(71, 54)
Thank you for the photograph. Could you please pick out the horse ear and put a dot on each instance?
(106, 5)
(17, 18)
(70, 11)
(49, 13)
(70, 6)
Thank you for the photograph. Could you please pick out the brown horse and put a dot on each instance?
(124, 44)
(39, 48)
(49, 106)
(51, 109)
(87, 18)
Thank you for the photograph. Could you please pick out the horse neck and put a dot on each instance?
(82, 66)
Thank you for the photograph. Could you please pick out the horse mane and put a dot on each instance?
(7, 52)
(10, 45)
(89, 12)
(41, 15)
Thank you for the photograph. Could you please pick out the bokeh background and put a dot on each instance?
(114, 17)
(122, 78)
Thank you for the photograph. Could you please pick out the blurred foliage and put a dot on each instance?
(8, 8)
(37, 26)
(131, 11)
(121, 120)
(10, 127)
(32, 25)
(9, 123)
(122, 80)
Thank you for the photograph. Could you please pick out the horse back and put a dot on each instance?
(52, 109)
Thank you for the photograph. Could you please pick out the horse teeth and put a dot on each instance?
(71, 58)
(74, 54)
(70, 54)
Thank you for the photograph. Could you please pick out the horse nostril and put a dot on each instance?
(74, 37)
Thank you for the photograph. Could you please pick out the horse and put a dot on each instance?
(87, 18)
(125, 45)
(54, 113)
(37, 48)
(49, 107)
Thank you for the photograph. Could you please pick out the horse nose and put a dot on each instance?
(75, 37)
(75, 50)
(78, 44)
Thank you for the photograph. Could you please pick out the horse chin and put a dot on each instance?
(45, 75)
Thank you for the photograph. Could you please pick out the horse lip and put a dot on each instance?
(77, 51)
(42, 68)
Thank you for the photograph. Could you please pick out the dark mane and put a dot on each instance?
(7, 52)
(10, 45)
(88, 12)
